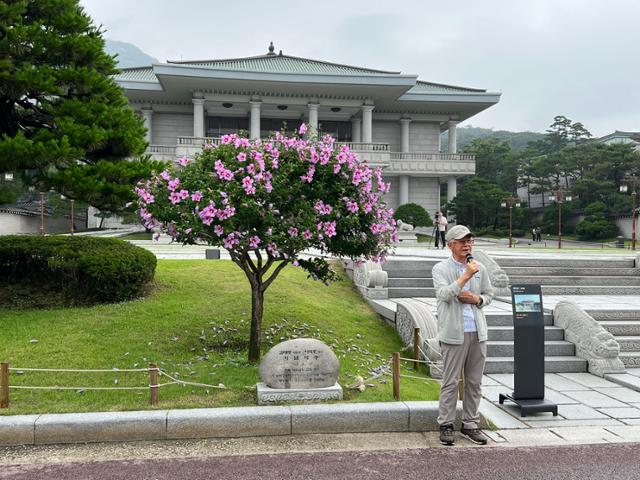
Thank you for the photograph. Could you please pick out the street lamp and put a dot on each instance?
(510, 202)
(633, 181)
(560, 196)
(42, 213)
(71, 203)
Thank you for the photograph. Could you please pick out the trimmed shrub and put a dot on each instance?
(596, 228)
(74, 270)
(414, 214)
(595, 225)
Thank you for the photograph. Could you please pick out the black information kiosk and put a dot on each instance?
(528, 339)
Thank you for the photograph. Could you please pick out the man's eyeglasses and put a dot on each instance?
(466, 241)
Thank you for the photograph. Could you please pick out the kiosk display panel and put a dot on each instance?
(528, 361)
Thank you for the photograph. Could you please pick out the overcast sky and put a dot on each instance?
(578, 58)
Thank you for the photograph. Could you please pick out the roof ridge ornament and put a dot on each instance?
(271, 49)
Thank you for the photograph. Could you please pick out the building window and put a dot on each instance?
(218, 126)
(341, 131)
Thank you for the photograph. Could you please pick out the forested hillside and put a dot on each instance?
(517, 140)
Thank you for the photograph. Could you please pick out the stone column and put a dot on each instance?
(404, 135)
(198, 117)
(404, 189)
(367, 120)
(147, 116)
(313, 117)
(453, 137)
(356, 130)
(452, 188)
(254, 132)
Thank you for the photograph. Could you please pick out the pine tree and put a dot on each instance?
(64, 122)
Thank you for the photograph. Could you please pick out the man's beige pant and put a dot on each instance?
(469, 356)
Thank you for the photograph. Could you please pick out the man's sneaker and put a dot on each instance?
(474, 434)
(446, 434)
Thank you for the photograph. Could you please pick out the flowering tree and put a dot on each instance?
(266, 201)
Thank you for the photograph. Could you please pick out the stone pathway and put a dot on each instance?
(590, 410)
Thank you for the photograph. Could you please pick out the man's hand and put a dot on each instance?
(472, 269)
(468, 297)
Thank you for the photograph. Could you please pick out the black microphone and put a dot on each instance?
(469, 260)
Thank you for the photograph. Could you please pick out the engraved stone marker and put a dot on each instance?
(299, 369)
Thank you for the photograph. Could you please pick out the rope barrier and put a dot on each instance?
(195, 384)
(25, 387)
(414, 360)
(113, 370)
(425, 379)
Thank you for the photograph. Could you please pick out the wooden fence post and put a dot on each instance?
(416, 347)
(395, 368)
(153, 379)
(4, 385)
(461, 386)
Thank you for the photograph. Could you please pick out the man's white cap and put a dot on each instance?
(458, 233)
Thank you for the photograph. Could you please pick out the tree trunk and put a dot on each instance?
(257, 307)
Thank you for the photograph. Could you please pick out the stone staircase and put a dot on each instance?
(557, 276)
(410, 277)
(625, 326)
(564, 276)
(559, 354)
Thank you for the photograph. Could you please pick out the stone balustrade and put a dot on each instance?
(375, 154)
(431, 164)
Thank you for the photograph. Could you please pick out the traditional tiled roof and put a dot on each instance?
(272, 63)
(428, 87)
(283, 64)
(137, 74)
(27, 207)
(620, 134)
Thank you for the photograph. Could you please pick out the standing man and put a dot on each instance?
(441, 229)
(463, 289)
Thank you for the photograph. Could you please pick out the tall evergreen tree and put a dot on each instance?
(64, 122)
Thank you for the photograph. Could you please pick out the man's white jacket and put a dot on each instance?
(450, 321)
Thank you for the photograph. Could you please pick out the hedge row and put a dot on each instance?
(82, 269)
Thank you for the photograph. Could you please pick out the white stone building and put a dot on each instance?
(390, 119)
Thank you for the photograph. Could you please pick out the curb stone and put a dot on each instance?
(221, 422)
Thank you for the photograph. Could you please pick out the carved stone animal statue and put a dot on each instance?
(593, 343)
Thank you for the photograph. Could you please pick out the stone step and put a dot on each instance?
(555, 348)
(565, 262)
(506, 333)
(551, 365)
(569, 271)
(589, 290)
(404, 292)
(574, 280)
(506, 319)
(409, 264)
(614, 315)
(629, 343)
(630, 359)
(622, 328)
(394, 272)
(410, 282)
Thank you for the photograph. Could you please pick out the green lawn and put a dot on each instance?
(194, 324)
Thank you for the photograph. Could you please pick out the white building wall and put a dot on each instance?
(424, 137)
(167, 127)
(422, 190)
(387, 132)
(12, 224)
